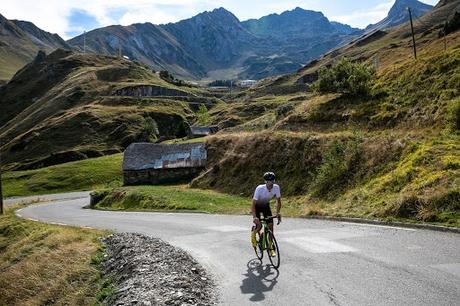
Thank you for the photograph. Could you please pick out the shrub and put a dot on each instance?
(337, 167)
(170, 78)
(284, 110)
(453, 116)
(346, 77)
(203, 117)
(151, 129)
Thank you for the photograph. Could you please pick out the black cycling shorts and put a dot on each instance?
(265, 211)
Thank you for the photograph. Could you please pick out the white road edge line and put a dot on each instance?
(382, 226)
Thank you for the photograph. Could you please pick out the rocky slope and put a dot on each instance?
(398, 14)
(20, 42)
(147, 43)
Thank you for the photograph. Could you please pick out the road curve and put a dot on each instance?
(323, 262)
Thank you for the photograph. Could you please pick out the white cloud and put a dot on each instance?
(53, 15)
(362, 18)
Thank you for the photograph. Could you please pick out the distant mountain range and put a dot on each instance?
(217, 45)
(211, 45)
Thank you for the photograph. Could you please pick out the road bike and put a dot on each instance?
(266, 241)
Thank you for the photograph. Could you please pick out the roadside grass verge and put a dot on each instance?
(43, 264)
(182, 198)
(81, 175)
(171, 198)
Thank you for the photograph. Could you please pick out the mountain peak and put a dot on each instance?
(401, 6)
(398, 14)
(300, 12)
(220, 12)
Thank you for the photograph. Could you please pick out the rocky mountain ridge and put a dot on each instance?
(398, 14)
(217, 45)
(19, 43)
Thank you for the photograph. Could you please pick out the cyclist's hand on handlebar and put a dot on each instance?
(279, 218)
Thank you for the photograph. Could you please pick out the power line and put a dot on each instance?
(1, 192)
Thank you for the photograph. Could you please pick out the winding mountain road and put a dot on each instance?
(322, 262)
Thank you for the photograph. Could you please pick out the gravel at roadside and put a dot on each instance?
(149, 271)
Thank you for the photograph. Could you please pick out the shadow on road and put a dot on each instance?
(259, 279)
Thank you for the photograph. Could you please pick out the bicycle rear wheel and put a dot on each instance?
(274, 260)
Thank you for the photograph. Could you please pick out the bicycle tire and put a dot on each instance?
(258, 248)
(275, 261)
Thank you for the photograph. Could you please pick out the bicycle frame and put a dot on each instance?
(263, 242)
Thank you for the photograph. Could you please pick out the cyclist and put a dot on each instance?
(261, 205)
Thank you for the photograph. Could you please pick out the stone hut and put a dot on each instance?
(147, 163)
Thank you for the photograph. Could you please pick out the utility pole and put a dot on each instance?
(1, 193)
(413, 35)
(84, 42)
(445, 36)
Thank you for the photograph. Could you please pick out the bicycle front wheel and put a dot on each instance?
(273, 251)
(259, 248)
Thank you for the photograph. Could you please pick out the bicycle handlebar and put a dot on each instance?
(271, 218)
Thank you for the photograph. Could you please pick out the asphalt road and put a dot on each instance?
(46, 198)
(322, 262)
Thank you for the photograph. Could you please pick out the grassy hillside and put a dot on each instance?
(86, 174)
(69, 106)
(392, 153)
(10, 63)
(406, 95)
(385, 175)
(46, 264)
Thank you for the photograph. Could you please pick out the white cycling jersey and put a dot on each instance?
(263, 196)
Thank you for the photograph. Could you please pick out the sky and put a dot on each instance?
(69, 18)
